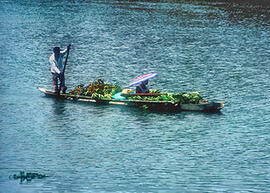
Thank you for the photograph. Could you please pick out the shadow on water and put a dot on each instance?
(246, 13)
(238, 12)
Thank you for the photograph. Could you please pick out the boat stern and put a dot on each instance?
(204, 106)
(214, 106)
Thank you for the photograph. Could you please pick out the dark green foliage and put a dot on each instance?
(193, 97)
(99, 91)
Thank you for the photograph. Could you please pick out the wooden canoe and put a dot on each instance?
(155, 105)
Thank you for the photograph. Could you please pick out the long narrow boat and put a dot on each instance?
(154, 105)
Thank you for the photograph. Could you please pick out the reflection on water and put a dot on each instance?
(247, 15)
(59, 107)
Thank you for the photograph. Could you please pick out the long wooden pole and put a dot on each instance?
(64, 69)
(68, 48)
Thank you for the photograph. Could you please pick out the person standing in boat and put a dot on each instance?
(142, 88)
(56, 61)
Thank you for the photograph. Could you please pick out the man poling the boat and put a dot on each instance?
(58, 69)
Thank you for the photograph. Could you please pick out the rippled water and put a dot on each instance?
(221, 50)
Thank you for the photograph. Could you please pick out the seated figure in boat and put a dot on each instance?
(142, 88)
(57, 68)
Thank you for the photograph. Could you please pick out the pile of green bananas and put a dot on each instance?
(183, 98)
(98, 90)
(186, 98)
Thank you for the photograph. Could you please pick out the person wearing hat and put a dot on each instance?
(56, 61)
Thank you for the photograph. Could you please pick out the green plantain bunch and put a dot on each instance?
(98, 90)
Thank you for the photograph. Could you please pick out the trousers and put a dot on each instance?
(55, 78)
